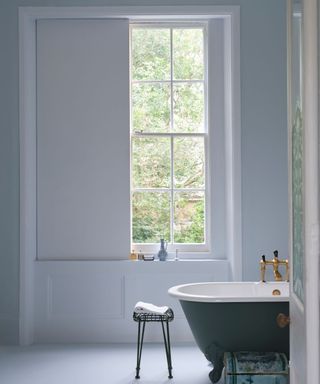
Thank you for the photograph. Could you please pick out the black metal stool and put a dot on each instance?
(144, 317)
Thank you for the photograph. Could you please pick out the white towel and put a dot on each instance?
(142, 307)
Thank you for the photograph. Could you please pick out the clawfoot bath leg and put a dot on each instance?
(214, 353)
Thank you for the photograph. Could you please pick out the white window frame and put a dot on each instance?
(181, 247)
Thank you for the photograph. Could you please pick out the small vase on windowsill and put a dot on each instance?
(163, 254)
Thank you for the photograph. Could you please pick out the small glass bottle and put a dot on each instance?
(133, 255)
(140, 255)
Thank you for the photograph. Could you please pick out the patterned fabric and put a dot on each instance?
(256, 368)
(256, 379)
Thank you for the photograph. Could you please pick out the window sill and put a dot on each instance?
(112, 260)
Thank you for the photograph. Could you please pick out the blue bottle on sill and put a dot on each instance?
(163, 254)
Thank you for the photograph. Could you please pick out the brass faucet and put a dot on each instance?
(275, 262)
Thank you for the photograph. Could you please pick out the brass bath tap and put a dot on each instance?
(275, 262)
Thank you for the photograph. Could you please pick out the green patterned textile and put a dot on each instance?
(255, 368)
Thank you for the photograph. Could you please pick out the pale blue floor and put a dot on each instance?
(101, 364)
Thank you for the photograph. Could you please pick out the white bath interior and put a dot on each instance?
(232, 292)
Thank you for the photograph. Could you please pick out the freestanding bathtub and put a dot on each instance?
(235, 316)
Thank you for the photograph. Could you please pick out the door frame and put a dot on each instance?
(304, 343)
(311, 171)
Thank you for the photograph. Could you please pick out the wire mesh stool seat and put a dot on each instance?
(142, 318)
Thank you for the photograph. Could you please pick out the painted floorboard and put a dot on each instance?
(101, 364)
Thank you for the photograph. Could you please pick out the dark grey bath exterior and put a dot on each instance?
(225, 324)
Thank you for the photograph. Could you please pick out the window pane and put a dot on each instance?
(167, 100)
(189, 217)
(151, 107)
(151, 162)
(188, 109)
(189, 162)
(150, 54)
(150, 217)
(188, 54)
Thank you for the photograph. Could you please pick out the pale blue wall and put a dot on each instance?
(264, 138)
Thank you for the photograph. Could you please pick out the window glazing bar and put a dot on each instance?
(191, 81)
(169, 134)
(167, 190)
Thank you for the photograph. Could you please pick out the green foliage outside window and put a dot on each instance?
(168, 172)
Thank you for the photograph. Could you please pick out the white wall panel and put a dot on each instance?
(92, 295)
(83, 301)
(83, 179)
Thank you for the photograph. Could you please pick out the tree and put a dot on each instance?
(161, 106)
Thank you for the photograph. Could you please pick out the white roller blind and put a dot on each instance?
(83, 200)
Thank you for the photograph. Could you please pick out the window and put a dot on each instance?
(169, 194)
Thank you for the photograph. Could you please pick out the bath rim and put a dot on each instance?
(231, 291)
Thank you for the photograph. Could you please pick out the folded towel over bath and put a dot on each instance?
(142, 307)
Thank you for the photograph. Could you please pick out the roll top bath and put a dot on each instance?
(235, 316)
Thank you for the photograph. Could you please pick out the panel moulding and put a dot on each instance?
(99, 296)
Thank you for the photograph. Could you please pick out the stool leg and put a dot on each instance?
(166, 338)
(139, 346)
